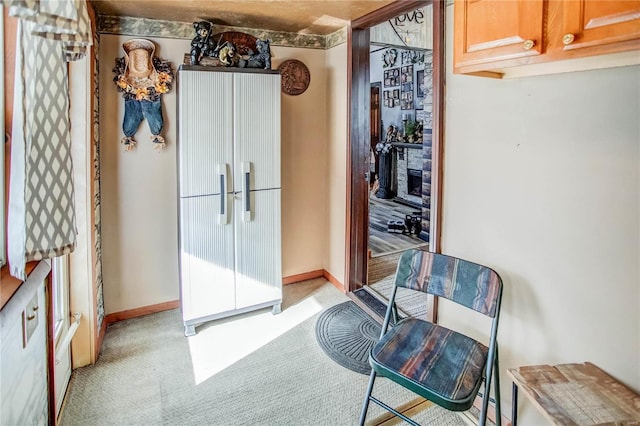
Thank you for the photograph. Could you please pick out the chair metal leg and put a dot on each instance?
(496, 382)
(514, 404)
(365, 406)
(485, 404)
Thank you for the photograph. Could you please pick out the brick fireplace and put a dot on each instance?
(409, 173)
(414, 182)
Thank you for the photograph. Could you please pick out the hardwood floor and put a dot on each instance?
(382, 242)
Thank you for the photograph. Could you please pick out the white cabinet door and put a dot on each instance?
(229, 125)
(206, 264)
(204, 131)
(23, 351)
(257, 129)
(258, 246)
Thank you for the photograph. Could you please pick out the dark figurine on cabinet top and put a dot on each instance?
(201, 45)
(230, 49)
(262, 59)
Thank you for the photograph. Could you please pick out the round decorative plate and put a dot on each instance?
(295, 77)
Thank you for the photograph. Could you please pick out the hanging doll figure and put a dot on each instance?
(143, 79)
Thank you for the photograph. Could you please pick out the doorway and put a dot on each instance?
(359, 136)
(400, 72)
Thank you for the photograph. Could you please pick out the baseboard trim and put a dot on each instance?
(160, 307)
(333, 280)
(138, 312)
(292, 279)
(318, 273)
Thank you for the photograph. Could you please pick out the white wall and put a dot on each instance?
(336, 166)
(304, 153)
(139, 212)
(541, 182)
(139, 199)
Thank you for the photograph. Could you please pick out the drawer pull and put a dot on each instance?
(528, 44)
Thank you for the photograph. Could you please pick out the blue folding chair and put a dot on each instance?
(437, 363)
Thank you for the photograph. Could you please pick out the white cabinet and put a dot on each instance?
(23, 342)
(229, 192)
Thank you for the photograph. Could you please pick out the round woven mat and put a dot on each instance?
(347, 334)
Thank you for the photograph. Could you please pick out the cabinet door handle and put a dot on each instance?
(223, 194)
(222, 173)
(30, 317)
(246, 211)
(568, 38)
(528, 44)
(35, 308)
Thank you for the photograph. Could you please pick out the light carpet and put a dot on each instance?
(150, 374)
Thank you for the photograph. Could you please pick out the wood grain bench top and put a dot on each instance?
(578, 394)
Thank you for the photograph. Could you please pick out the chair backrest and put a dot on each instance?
(469, 284)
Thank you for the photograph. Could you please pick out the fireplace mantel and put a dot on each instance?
(406, 145)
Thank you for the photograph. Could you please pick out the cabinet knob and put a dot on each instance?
(528, 44)
(31, 317)
(567, 39)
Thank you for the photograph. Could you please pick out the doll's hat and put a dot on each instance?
(138, 54)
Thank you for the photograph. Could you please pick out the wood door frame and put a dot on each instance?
(357, 211)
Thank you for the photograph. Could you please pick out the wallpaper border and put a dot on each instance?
(184, 30)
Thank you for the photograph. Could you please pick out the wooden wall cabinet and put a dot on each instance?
(495, 38)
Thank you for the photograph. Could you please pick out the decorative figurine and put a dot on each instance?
(227, 49)
(389, 58)
(201, 44)
(262, 59)
(227, 54)
(143, 79)
(413, 223)
(392, 134)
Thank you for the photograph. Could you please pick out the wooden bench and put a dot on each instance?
(575, 394)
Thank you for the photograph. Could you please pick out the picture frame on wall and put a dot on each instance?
(420, 84)
(390, 98)
(406, 96)
(406, 104)
(407, 87)
(391, 77)
(406, 74)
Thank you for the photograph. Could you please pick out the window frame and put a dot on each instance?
(60, 296)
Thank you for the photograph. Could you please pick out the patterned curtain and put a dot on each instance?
(41, 215)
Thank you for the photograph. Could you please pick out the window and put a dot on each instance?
(63, 331)
(60, 290)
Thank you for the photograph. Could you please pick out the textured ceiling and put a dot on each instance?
(296, 16)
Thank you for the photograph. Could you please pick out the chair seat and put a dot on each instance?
(438, 364)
